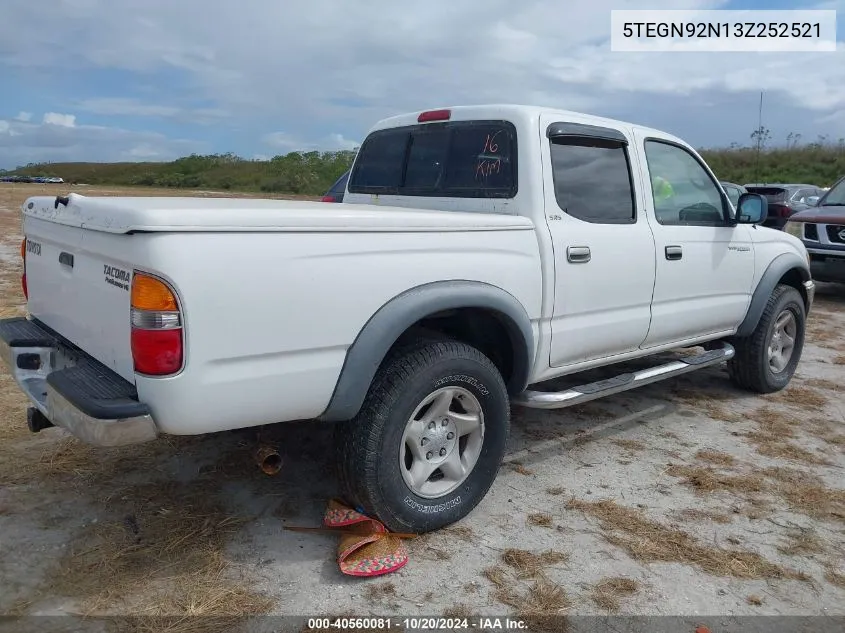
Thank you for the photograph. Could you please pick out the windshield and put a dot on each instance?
(836, 196)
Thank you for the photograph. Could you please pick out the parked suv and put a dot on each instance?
(822, 229)
(785, 200)
(733, 190)
(336, 191)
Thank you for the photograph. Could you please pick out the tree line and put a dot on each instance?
(820, 162)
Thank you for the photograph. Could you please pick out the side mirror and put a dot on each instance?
(751, 208)
(812, 200)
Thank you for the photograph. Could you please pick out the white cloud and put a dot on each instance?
(23, 116)
(288, 143)
(329, 70)
(129, 107)
(62, 120)
(33, 143)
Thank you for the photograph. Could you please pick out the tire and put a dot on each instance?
(751, 368)
(373, 450)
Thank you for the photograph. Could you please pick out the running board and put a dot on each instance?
(622, 382)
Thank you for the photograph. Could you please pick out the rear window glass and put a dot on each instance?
(772, 194)
(463, 159)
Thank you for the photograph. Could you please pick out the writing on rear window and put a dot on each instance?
(455, 159)
(117, 276)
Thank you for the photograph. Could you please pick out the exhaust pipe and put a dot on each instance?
(268, 459)
(36, 421)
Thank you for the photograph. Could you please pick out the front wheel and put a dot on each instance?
(766, 360)
(429, 439)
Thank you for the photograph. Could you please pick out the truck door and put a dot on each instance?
(705, 266)
(603, 245)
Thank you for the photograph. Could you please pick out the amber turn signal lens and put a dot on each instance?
(149, 293)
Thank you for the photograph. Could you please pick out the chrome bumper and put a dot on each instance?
(101, 415)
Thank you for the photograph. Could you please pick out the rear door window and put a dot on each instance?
(460, 159)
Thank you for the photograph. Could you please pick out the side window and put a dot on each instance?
(682, 190)
(733, 194)
(592, 180)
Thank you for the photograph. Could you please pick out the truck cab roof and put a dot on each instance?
(515, 113)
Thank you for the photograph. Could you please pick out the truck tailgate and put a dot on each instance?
(78, 286)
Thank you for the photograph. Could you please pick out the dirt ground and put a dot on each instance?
(681, 498)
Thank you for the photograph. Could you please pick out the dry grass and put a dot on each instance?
(799, 397)
(803, 491)
(167, 533)
(542, 597)
(807, 493)
(630, 445)
(517, 467)
(834, 577)
(381, 591)
(707, 403)
(556, 491)
(460, 532)
(200, 602)
(537, 601)
(530, 564)
(715, 457)
(754, 600)
(458, 611)
(828, 385)
(698, 516)
(706, 480)
(825, 431)
(608, 592)
(497, 575)
(776, 448)
(541, 519)
(771, 437)
(649, 541)
(839, 359)
(801, 542)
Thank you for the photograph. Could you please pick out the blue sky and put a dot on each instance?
(95, 80)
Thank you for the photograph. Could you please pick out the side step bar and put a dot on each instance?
(622, 382)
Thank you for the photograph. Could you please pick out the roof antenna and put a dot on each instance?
(759, 137)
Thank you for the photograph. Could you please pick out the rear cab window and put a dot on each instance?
(453, 159)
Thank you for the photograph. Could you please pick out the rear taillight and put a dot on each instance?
(327, 199)
(23, 275)
(781, 210)
(157, 345)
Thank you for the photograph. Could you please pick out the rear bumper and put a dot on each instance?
(71, 389)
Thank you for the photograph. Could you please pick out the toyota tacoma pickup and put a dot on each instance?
(478, 253)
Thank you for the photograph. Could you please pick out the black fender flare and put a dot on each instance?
(778, 267)
(393, 319)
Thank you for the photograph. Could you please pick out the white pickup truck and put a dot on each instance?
(478, 253)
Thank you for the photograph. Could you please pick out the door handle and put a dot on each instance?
(578, 254)
(674, 252)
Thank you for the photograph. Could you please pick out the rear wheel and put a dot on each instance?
(427, 444)
(766, 360)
